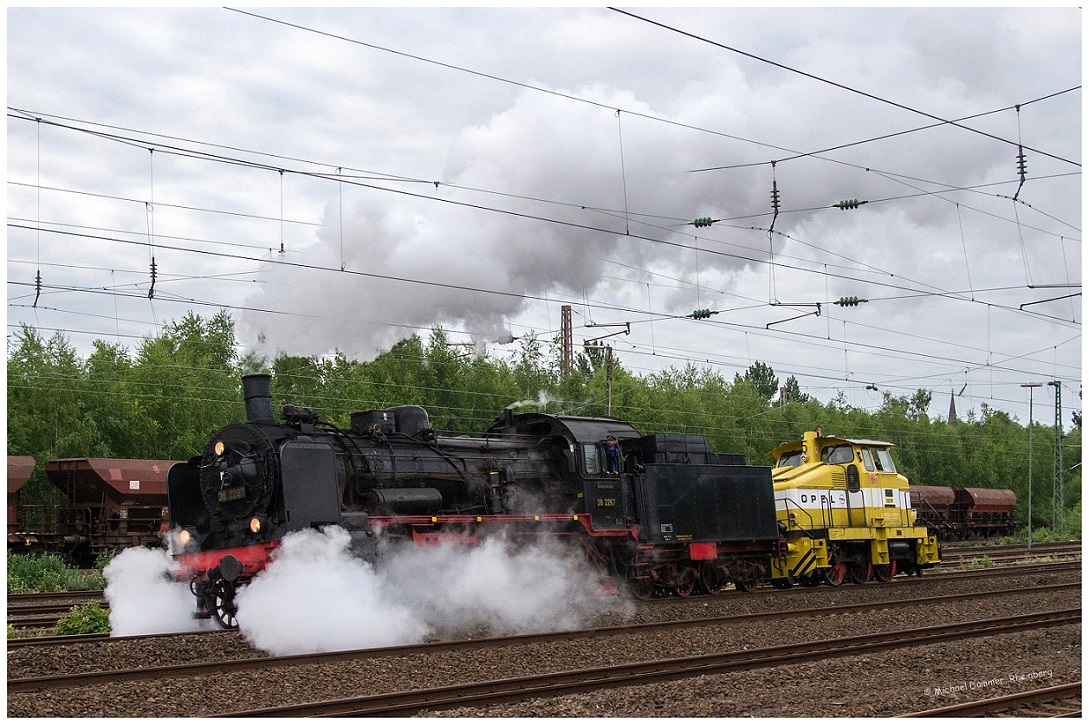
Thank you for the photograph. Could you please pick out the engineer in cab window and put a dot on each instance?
(612, 457)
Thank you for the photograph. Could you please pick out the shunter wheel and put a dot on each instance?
(884, 572)
(860, 573)
(835, 574)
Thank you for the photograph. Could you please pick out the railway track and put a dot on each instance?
(36, 598)
(1002, 554)
(479, 694)
(84, 679)
(29, 613)
(1059, 701)
(1010, 548)
(44, 610)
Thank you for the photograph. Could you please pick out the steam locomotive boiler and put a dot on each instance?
(672, 517)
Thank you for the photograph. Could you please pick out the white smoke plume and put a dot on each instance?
(544, 399)
(144, 600)
(316, 597)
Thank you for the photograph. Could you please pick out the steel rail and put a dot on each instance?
(18, 599)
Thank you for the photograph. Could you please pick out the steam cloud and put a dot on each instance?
(142, 597)
(533, 149)
(316, 597)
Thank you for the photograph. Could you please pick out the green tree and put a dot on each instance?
(48, 416)
(763, 378)
(794, 392)
(187, 384)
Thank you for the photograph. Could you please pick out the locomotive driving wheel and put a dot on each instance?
(748, 576)
(685, 581)
(641, 587)
(220, 602)
(746, 585)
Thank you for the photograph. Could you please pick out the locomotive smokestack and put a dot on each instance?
(257, 392)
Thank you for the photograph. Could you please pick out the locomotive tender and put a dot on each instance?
(676, 515)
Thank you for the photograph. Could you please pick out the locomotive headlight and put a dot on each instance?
(219, 448)
(255, 524)
(184, 537)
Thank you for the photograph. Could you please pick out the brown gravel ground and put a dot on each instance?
(885, 684)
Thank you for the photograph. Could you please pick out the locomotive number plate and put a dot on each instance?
(232, 494)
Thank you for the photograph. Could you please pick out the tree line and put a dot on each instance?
(164, 398)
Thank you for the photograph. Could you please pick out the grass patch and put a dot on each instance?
(87, 618)
(50, 573)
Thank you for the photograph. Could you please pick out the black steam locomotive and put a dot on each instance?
(672, 517)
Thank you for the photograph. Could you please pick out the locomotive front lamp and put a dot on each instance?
(219, 448)
(255, 524)
(184, 537)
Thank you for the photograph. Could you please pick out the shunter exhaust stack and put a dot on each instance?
(257, 392)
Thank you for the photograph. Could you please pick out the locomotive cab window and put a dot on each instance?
(867, 459)
(791, 459)
(590, 456)
(883, 460)
(838, 454)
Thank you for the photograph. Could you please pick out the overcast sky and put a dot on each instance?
(480, 168)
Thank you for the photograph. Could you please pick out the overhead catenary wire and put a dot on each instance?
(836, 84)
(376, 176)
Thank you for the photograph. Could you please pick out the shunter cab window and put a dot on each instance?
(838, 454)
(883, 460)
(791, 459)
(867, 459)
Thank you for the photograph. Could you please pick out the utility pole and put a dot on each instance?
(1031, 387)
(609, 380)
(565, 333)
(1058, 515)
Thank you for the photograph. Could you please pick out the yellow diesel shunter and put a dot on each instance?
(845, 514)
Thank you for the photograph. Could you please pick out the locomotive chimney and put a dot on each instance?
(257, 392)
